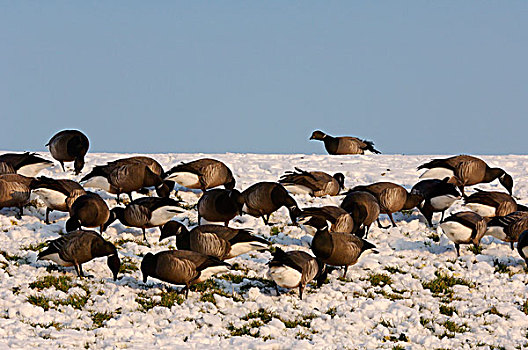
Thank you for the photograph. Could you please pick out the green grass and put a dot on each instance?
(378, 279)
(524, 307)
(62, 283)
(331, 311)
(128, 266)
(447, 310)
(262, 314)
(98, 318)
(476, 249)
(76, 301)
(500, 267)
(232, 278)
(35, 247)
(442, 284)
(39, 300)
(393, 269)
(168, 300)
(453, 328)
(275, 230)
(10, 257)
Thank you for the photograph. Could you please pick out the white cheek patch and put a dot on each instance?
(285, 276)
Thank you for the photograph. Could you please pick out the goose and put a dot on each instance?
(508, 228)
(124, 177)
(438, 196)
(202, 174)
(364, 209)
(6, 168)
(344, 144)
(218, 205)
(215, 240)
(69, 146)
(145, 213)
(492, 203)
(181, 267)
(337, 248)
(340, 220)
(463, 228)
(464, 171)
(88, 210)
(26, 164)
(314, 183)
(391, 198)
(15, 191)
(263, 198)
(57, 194)
(78, 247)
(522, 246)
(295, 269)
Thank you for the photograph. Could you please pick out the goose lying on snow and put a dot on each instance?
(215, 240)
(78, 247)
(344, 144)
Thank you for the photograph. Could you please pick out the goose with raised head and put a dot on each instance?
(491, 203)
(465, 171)
(337, 248)
(216, 240)
(339, 219)
(522, 246)
(146, 212)
(263, 198)
(464, 228)
(26, 164)
(181, 267)
(364, 209)
(295, 269)
(15, 191)
(88, 210)
(508, 228)
(69, 146)
(314, 183)
(391, 198)
(438, 195)
(218, 205)
(57, 194)
(202, 174)
(124, 176)
(344, 144)
(78, 247)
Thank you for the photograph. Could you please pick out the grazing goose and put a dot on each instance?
(69, 146)
(88, 210)
(344, 144)
(215, 240)
(219, 205)
(6, 168)
(314, 183)
(438, 196)
(364, 209)
(295, 269)
(15, 191)
(80, 246)
(123, 176)
(465, 171)
(27, 164)
(491, 203)
(202, 174)
(522, 246)
(181, 267)
(337, 248)
(340, 220)
(391, 198)
(57, 194)
(508, 228)
(145, 213)
(263, 198)
(464, 228)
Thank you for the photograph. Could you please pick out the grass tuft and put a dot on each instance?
(62, 283)
(378, 279)
(442, 284)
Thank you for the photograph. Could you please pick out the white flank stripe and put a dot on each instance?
(285, 276)
(98, 182)
(298, 189)
(481, 209)
(497, 232)
(162, 215)
(443, 202)
(50, 197)
(456, 232)
(32, 170)
(437, 173)
(185, 179)
(244, 247)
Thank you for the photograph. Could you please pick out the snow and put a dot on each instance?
(345, 313)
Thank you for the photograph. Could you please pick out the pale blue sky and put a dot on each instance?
(421, 77)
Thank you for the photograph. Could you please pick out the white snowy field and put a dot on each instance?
(414, 294)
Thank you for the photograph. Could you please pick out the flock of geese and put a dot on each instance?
(339, 233)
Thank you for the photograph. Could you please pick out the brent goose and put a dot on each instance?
(522, 246)
(344, 144)
(15, 191)
(216, 240)
(295, 269)
(508, 228)
(27, 164)
(202, 174)
(340, 220)
(438, 196)
(314, 183)
(464, 228)
(80, 246)
(464, 171)
(364, 209)
(492, 203)
(88, 210)
(218, 205)
(69, 146)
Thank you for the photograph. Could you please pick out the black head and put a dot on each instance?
(164, 189)
(230, 185)
(116, 213)
(114, 264)
(318, 222)
(318, 135)
(148, 266)
(507, 181)
(322, 275)
(237, 198)
(72, 225)
(340, 179)
(172, 228)
(78, 165)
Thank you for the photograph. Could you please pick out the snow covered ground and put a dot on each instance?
(414, 294)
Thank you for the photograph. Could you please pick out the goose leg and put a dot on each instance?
(511, 244)
(19, 215)
(301, 288)
(199, 218)
(77, 270)
(226, 223)
(118, 199)
(81, 270)
(345, 272)
(145, 237)
(380, 225)
(392, 220)
(266, 221)
(457, 247)
(101, 229)
(130, 195)
(62, 165)
(461, 188)
(48, 211)
(277, 289)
